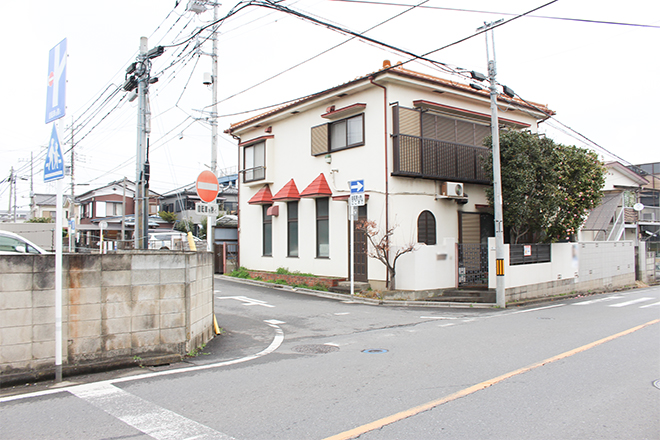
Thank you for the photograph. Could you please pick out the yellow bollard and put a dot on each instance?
(191, 242)
(216, 328)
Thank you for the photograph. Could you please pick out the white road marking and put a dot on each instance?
(153, 420)
(247, 301)
(446, 325)
(650, 305)
(274, 345)
(633, 301)
(438, 317)
(593, 301)
(342, 313)
(331, 344)
(274, 321)
(536, 309)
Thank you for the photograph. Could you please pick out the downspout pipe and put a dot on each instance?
(387, 176)
(238, 201)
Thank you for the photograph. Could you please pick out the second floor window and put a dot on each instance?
(338, 135)
(347, 133)
(254, 160)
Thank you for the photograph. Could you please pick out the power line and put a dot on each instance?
(582, 20)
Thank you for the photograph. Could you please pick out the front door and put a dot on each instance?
(360, 263)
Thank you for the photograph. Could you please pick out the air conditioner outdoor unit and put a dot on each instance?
(452, 189)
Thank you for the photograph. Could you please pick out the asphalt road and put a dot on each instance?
(291, 366)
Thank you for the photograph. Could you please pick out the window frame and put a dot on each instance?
(292, 230)
(322, 219)
(266, 225)
(346, 145)
(423, 229)
(253, 172)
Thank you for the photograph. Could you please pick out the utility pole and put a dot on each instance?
(500, 293)
(214, 88)
(32, 205)
(138, 75)
(199, 7)
(11, 182)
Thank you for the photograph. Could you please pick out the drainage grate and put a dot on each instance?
(374, 350)
(315, 349)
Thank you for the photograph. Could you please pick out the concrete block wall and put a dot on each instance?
(114, 306)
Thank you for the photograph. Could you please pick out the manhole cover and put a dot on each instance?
(315, 349)
(374, 350)
(657, 384)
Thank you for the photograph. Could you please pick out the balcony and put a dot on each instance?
(431, 159)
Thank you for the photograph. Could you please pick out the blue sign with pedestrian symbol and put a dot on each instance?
(54, 165)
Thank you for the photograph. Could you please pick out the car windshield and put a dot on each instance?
(11, 244)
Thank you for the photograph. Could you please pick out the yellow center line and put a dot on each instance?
(355, 432)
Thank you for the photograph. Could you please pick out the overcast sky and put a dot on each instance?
(601, 79)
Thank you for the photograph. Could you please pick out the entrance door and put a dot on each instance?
(360, 264)
(475, 228)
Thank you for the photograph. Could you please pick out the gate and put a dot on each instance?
(473, 265)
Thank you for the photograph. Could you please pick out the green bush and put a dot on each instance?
(241, 272)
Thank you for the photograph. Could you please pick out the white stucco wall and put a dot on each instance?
(288, 155)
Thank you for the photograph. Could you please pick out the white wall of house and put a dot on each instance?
(288, 155)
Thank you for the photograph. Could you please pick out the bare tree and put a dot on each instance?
(381, 246)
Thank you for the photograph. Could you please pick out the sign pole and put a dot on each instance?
(58, 283)
(352, 208)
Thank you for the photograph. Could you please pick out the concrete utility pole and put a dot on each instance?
(138, 75)
(140, 239)
(500, 293)
(11, 182)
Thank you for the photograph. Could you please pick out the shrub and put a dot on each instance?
(241, 272)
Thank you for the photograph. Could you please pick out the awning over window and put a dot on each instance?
(262, 197)
(318, 188)
(601, 216)
(288, 193)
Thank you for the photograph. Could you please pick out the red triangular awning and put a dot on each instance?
(318, 188)
(289, 192)
(262, 197)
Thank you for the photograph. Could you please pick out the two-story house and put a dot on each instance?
(416, 140)
(114, 204)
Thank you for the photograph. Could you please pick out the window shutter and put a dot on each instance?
(319, 139)
(446, 129)
(409, 122)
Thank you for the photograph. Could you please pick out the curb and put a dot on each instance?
(360, 300)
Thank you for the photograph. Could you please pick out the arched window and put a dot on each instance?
(426, 228)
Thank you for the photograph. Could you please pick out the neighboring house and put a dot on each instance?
(181, 201)
(620, 215)
(416, 141)
(113, 203)
(649, 216)
(43, 206)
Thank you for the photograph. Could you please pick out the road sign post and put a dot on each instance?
(207, 189)
(355, 199)
(54, 172)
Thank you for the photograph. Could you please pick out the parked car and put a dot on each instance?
(13, 244)
(173, 240)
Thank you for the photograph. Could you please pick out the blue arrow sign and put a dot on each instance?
(54, 166)
(357, 186)
(55, 102)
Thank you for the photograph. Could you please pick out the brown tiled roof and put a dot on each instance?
(398, 70)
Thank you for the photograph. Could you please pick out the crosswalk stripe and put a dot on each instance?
(153, 420)
(633, 301)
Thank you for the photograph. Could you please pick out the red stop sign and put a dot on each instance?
(207, 186)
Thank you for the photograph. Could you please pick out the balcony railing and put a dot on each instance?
(430, 159)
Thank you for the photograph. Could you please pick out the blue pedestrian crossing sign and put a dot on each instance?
(54, 165)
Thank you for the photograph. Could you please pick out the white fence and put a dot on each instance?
(574, 267)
